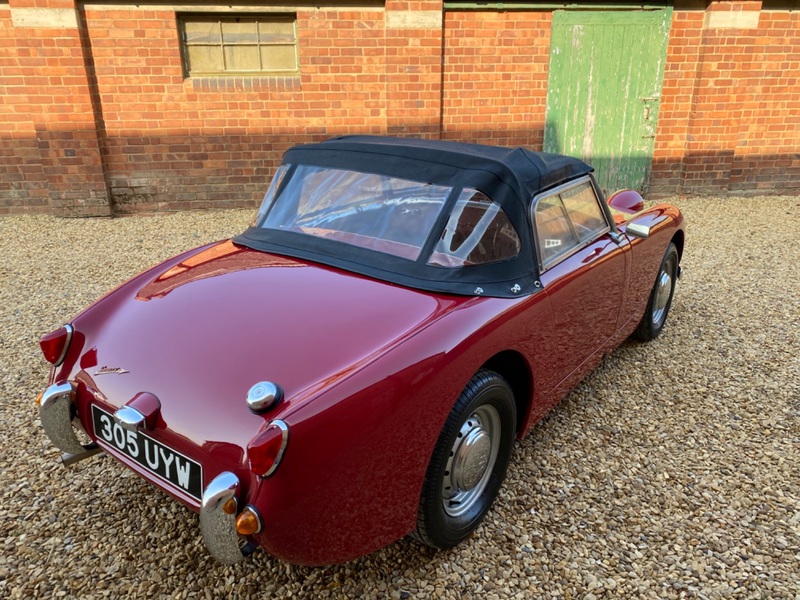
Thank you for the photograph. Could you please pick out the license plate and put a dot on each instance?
(162, 461)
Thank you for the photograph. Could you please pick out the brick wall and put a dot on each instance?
(413, 46)
(180, 143)
(49, 143)
(97, 117)
(495, 83)
(22, 182)
(767, 153)
(730, 102)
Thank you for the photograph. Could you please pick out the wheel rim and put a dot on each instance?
(663, 291)
(471, 461)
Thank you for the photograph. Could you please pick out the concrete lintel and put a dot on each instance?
(44, 18)
(413, 19)
(729, 19)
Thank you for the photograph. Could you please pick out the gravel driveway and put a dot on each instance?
(672, 471)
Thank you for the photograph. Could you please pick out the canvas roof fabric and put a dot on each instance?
(511, 177)
(526, 172)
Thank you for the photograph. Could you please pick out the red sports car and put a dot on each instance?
(356, 365)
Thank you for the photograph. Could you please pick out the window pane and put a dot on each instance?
(205, 59)
(381, 213)
(241, 58)
(478, 232)
(584, 211)
(201, 32)
(553, 232)
(276, 32)
(278, 58)
(239, 44)
(234, 32)
(269, 197)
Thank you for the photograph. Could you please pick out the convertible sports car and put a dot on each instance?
(356, 365)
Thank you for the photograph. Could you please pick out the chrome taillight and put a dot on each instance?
(54, 345)
(265, 451)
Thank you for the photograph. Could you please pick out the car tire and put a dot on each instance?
(660, 301)
(469, 462)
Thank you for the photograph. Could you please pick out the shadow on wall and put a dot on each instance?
(183, 172)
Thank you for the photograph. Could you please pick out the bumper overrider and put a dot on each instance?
(219, 505)
(57, 411)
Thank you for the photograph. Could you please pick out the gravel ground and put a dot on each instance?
(672, 471)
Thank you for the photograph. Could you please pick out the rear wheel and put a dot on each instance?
(469, 462)
(655, 315)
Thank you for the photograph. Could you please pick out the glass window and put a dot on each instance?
(584, 211)
(377, 212)
(269, 197)
(230, 44)
(478, 232)
(553, 230)
(566, 220)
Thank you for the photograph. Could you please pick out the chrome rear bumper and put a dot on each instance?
(218, 519)
(56, 413)
(220, 502)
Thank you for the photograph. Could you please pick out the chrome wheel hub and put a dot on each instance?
(472, 457)
(663, 293)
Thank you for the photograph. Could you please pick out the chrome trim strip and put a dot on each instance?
(129, 418)
(284, 441)
(70, 330)
(218, 526)
(55, 413)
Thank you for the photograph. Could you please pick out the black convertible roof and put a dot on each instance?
(527, 173)
(511, 177)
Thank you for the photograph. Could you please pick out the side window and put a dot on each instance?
(553, 231)
(567, 220)
(269, 198)
(477, 232)
(584, 211)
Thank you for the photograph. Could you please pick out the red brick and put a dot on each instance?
(727, 110)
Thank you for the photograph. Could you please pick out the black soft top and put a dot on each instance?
(527, 173)
(509, 176)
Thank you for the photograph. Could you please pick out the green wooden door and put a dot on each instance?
(606, 70)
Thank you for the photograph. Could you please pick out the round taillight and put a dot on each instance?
(54, 345)
(249, 521)
(265, 451)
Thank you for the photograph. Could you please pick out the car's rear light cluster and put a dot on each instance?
(266, 449)
(54, 345)
(249, 521)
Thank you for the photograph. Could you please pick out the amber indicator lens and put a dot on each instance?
(248, 522)
(54, 345)
(229, 508)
